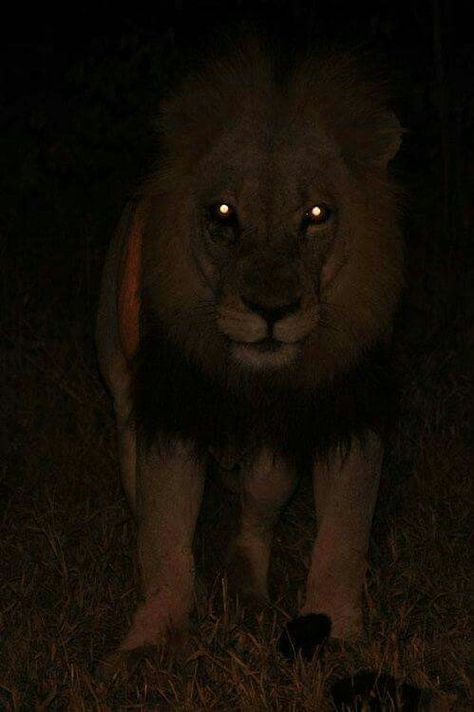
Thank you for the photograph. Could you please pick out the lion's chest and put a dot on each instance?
(173, 398)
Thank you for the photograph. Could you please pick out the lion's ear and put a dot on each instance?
(129, 287)
(373, 140)
(391, 138)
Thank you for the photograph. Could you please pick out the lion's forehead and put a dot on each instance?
(271, 180)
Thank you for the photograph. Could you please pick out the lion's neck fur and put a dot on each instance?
(174, 398)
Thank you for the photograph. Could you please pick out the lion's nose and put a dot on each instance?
(273, 313)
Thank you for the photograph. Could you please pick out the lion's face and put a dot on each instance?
(274, 254)
(268, 244)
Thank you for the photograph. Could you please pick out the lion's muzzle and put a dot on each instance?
(264, 309)
(263, 336)
(273, 312)
(250, 326)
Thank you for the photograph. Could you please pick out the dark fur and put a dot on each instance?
(174, 399)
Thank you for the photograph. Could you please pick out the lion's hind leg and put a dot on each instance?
(265, 487)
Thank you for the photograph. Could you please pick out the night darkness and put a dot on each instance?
(80, 89)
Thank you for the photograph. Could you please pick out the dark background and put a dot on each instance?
(80, 86)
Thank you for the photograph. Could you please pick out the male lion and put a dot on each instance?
(245, 313)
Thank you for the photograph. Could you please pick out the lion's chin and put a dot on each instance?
(264, 355)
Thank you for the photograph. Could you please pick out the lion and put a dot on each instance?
(246, 316)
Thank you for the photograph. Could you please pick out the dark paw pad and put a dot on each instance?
(304, 634)
(367, 690)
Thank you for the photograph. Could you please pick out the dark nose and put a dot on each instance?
(272, 314)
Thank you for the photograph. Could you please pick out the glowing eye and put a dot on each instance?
(222, 212)
(317, 215)
(222, 222)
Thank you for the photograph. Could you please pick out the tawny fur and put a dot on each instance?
(185, 305)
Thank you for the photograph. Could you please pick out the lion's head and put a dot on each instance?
(270, 237)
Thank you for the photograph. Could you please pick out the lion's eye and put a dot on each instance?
(222, 212)
(222, 223)
(319, 214)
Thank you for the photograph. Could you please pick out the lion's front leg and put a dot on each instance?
(169, 493)
(265, 487)
(345, 490)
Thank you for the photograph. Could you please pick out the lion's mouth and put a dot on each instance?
(267, 345)
(249, 330)
(266, 353)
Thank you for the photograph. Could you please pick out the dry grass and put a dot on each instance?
(69, 581)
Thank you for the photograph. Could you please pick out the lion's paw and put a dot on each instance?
(122, 663)
(125, 661)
